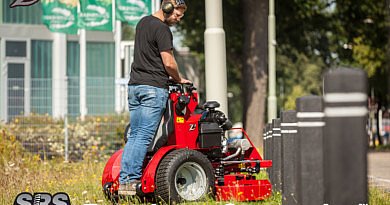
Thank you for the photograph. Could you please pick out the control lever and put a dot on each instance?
(181, 104)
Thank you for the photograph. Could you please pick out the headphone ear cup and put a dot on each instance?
(167, 8)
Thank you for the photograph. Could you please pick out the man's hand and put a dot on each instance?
(171, 67)
(184, 81)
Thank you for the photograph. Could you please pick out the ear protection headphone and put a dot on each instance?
(168, 7)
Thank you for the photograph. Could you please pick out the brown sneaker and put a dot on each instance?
(128, 189)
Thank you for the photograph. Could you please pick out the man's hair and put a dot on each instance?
(176, 3)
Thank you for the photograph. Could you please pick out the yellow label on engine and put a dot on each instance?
(180, 119)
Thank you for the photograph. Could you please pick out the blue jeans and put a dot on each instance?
(146, 105)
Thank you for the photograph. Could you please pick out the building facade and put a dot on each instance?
(40, 70)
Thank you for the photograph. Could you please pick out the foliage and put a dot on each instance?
(381, 148)
(193, 27)
(372, 59)
(329, 34)
(10, 148)
(296, 92)
(299, 75)
(312, 35)
(304, 25)
(94, 137)
(378, 196)
(29, 173)
(128, 32)
(364, 29)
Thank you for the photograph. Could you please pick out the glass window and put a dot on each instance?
(100, 78)
(41, 77)
(15, 49)
(73, 73)
(21, 14)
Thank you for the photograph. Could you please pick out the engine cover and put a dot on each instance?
(210, 135)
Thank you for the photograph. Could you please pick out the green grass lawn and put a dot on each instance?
(21, 172)
(81, 181)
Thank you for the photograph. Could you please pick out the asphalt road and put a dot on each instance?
(379, 169)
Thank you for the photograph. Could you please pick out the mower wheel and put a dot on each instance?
(183, 176)
(113, 197)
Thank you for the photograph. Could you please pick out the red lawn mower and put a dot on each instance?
(190, 158)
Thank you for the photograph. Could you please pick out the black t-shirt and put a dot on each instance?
(152, 36)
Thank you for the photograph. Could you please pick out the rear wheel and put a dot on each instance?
(184, 175)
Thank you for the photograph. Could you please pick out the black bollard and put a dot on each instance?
(269, 140)
(269, 150)
(346, 142)
(310, 139)
(276, 155)
(290, 160)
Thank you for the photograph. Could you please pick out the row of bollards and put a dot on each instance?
(319, 151)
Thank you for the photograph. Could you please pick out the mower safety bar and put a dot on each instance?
(182, 87)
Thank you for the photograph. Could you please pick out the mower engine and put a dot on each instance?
(212, 126)
(191, 158)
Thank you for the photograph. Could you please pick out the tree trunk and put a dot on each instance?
(388, 55)
(254, 85)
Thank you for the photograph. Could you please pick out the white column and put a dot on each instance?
(3, 83)
(118, 65)
(59, 84)
(27, 81)
(215, 55)
(272, 107)
(83, 74)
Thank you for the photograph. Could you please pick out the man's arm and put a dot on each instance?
(171, 66)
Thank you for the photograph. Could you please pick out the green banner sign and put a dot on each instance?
(95, 15)
(60, 16)
(132, 11)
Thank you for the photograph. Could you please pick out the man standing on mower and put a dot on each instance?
(153, 64)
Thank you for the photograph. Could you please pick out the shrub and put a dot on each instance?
(94, 137)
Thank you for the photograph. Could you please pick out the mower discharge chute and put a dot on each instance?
(190, 158)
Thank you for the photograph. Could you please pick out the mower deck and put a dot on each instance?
(240, 187)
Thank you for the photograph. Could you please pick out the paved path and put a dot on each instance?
(379, 169)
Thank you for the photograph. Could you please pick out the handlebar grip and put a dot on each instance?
(173, 83)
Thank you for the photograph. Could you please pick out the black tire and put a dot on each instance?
(175, 180)
(125, 133)
(113, 197)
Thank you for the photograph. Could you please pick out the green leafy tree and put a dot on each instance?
(340, 32)
(312, 36)
(365, 26)
(244, 42)
(193, 27)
